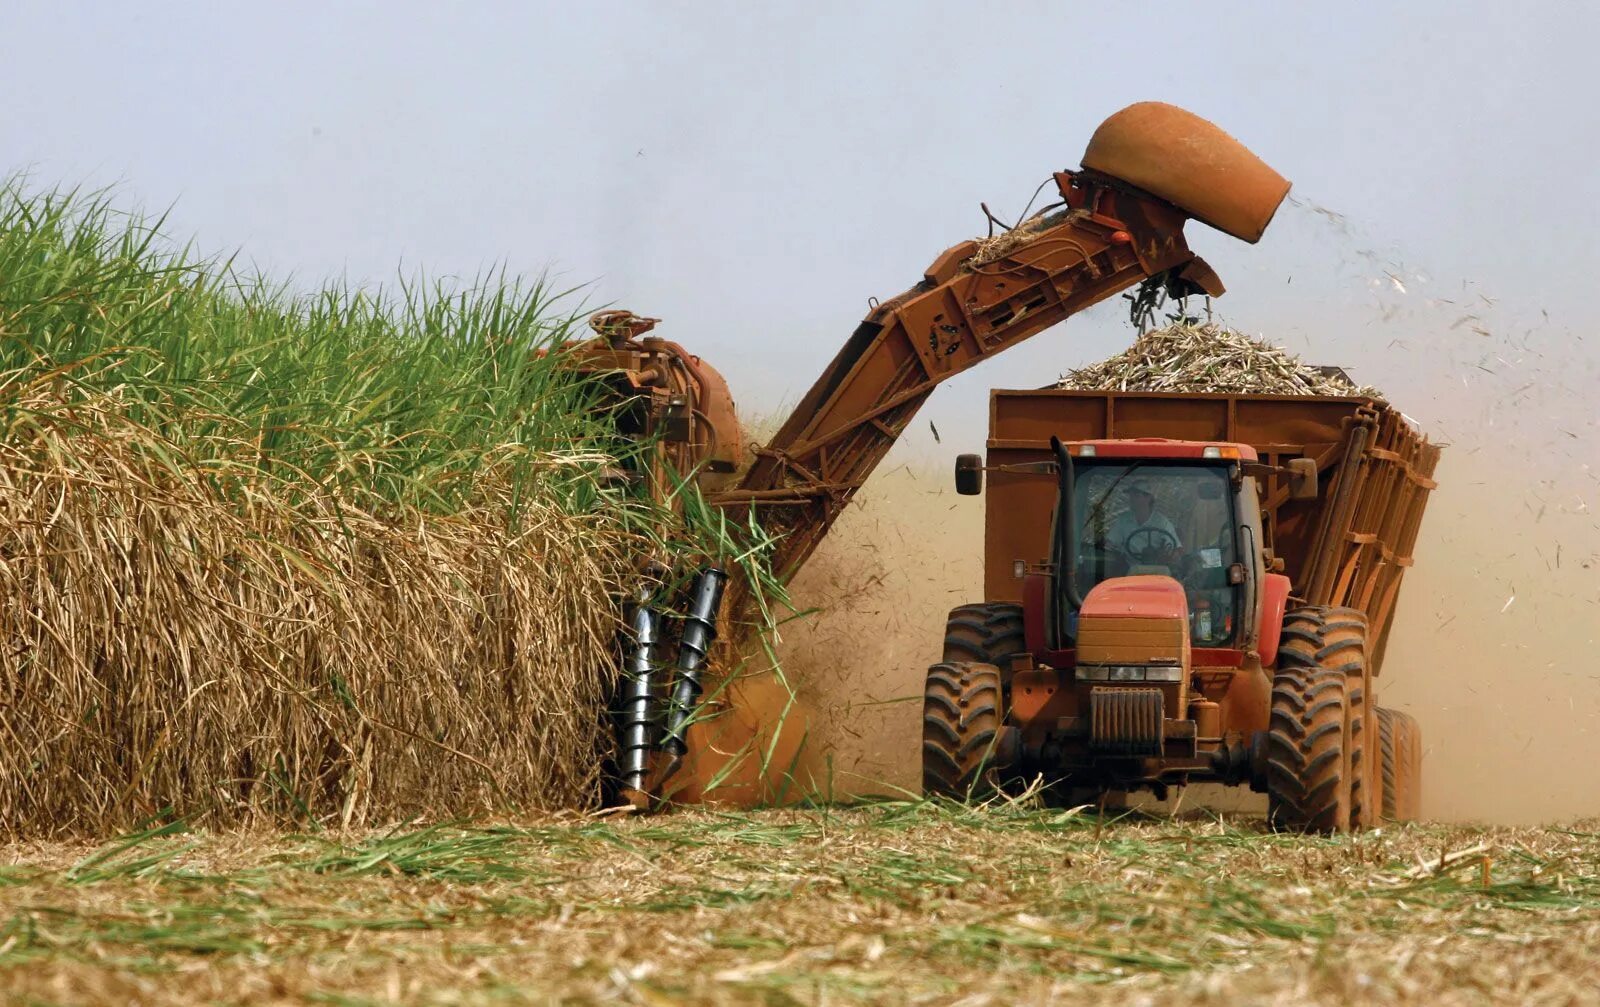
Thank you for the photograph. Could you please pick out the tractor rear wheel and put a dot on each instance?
(1400, 742)
(964, 737)
(986, 632)
(1319, 776)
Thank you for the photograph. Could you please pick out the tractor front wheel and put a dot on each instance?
(965, 741)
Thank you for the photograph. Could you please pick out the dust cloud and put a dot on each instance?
(878, 590)
(1494, 649)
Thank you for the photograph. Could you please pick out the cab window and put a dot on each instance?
(1165, 519)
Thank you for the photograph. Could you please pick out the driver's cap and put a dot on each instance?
(1140, 486)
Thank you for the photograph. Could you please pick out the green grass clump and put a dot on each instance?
(405, 398)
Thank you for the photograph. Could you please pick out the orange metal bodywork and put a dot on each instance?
(1148, 598)
(958, 316)
(976, 299)
(666, 394)
(1191, 164)
(1109, 232)
(1275, 589)
(1349, 546)
(979, 298)
(1139, 620)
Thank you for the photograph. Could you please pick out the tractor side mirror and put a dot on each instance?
(969, 475)
(1302, 478)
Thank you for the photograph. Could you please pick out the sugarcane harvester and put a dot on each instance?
(1118, 224)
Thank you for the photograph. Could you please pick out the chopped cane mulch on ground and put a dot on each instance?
(898, 902)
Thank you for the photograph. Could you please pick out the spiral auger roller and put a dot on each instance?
(638, 716)
(654, 718)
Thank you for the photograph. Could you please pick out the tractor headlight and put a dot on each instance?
(1129, 673)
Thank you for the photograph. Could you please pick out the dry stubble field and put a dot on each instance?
(900, 902)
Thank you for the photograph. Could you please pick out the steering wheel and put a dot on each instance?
(1154, 544)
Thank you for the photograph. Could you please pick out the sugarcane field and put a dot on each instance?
(512, 504)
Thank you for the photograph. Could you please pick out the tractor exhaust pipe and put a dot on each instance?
(1066, 567)
(699, 630)
(638, 715)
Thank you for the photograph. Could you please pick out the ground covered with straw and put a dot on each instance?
(898, 902)
(329, 557)
(1192, 356)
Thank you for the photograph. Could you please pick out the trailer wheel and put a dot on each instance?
(964, 737)
(1400, 742)
(1319, 777)
(986, 632)
(1408, 759)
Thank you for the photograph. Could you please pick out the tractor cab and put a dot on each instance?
(1156, 508)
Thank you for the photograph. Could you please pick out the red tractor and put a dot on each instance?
(1185, 588)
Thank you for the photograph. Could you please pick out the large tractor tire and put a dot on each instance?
(964, 737)
(1319, 775)
(986, 632)
(1400, 759)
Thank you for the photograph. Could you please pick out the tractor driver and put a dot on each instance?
(1143, 533)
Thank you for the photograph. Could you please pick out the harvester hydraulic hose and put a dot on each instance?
(637, 716)
(699, 629)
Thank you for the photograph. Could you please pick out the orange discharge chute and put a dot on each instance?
(1191, 164)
